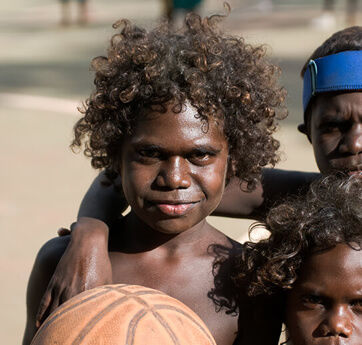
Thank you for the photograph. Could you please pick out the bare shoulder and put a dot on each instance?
(217, 237)
(52, 250)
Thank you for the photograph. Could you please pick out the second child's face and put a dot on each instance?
(173, 170)
(324, 306)
(336, 132)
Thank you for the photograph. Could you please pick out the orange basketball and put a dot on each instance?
(123, 315)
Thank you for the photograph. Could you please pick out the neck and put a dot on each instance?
(137, 236)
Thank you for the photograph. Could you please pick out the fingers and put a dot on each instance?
(55, 303)
(51, 300)
(43, 307)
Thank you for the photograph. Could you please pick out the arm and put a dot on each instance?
(103, 200)
(275, 186)
(42, 271)
(84, 265)
(105, 203)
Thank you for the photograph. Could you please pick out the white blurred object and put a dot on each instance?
(259, 232)
(325, 21)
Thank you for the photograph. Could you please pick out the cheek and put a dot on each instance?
(212, 180)
(136, 180)
(323, 146)
(300, 323)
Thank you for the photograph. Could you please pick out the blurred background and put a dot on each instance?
(46, 48)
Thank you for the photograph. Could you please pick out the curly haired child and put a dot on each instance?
(332, 123)
(312, 263)
(176, 115)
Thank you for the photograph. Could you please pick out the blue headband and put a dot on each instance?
(341, 71)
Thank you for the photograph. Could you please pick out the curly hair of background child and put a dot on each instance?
(330, 214)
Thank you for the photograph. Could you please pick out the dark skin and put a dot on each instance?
(104, 203)
(334, 128)
(335, 131)
(324, 306)
(174, 175)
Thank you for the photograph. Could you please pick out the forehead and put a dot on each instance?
(181, 128)
(337, 104)
(327, 269)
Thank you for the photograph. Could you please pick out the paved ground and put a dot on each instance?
(44, 76)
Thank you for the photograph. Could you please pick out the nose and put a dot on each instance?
(174, 174)
(338, 323)
(352, 142)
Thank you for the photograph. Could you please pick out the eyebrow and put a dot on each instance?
(335, 116)
(314, 290)
(203, 148)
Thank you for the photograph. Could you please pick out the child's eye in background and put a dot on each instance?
(357, 305)
(334, 126)
(312, 301)
(329, 127)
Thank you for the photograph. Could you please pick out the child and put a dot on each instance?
(337, 144)
(332, 101)
(312, 263)
(176, 114)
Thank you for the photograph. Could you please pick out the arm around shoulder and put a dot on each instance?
(275, 185)
(42, 271)
(104, 199)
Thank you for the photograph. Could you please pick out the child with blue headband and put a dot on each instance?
(332, 122)
(332, 101)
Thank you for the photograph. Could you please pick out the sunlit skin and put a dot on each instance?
(324, 306)
(336, 132)
(173, 175)
(173, 171)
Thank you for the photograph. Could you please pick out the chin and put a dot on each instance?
(171, 226)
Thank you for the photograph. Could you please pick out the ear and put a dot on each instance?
(303, 128)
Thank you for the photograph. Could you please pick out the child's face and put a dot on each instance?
(324, 306)
(173, 170)
(336, 132)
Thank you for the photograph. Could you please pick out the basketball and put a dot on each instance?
(123, 315)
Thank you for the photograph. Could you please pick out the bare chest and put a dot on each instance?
(187, 279)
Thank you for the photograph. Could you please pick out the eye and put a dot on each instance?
(335, 126)
(312, 300)
(357, 305)
(328, 127)
(148, 155)
(200, 157)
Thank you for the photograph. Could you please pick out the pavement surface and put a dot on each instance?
(44, 76)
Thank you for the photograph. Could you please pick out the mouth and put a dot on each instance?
(355, 172)
(174, 208)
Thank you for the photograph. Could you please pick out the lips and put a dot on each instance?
(350, 168)
(174, 208)
(355, 172)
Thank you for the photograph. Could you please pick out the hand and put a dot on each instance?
(84, 265)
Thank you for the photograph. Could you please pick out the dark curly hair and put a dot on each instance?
(344, 40)
(221, 76)
(330, 214)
